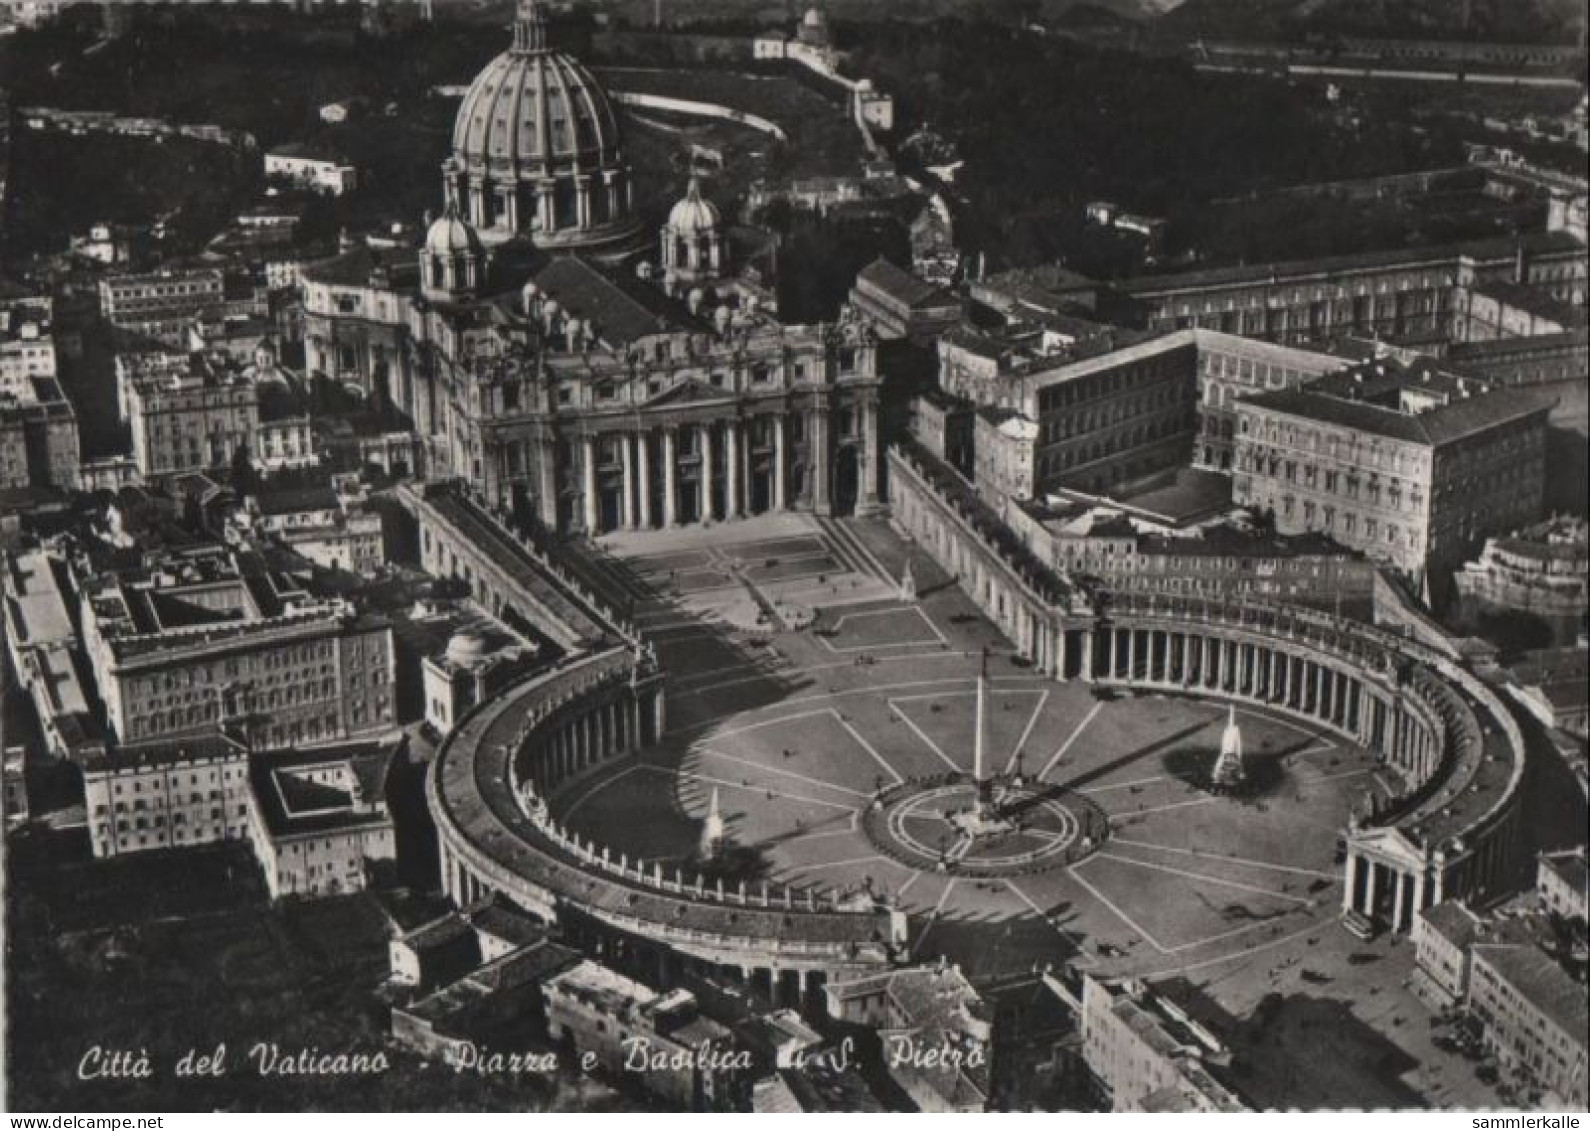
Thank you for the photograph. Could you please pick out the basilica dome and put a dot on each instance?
(537, 149)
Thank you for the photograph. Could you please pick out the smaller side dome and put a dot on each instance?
(450, 235)
(694, 214)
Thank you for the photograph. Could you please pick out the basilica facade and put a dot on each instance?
(546, 352)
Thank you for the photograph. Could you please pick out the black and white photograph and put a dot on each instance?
(794, 556)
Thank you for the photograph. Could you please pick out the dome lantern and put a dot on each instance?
(529, 28)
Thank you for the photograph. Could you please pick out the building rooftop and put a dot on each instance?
(1417, 403)
(1541, 982)
(446, 931)
(176, 751)
(499, 920)
(1569, 866)
(621, 310)
(1453, 922)
(36, 609)
(902, 286)
(1487, 250)
(297, 501)
(308, 151)
(315, 792)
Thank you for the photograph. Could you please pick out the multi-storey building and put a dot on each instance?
(1002, 455)
(209, 637)
(27, 350)
(1543, 568)
(1232, 367)
(1116, 418)
(480, 660)
(660, 1041)
(318, 820)
(1495, 309)
(1562, 881)
(14, 781)
(160, 305)
(1525, 361)
(594, 399)
(39, 438)
(41, 640)
(937, 1032)
(167, 794)
(1217, 562)
(902, 305)
(1410, 464)
(186, 412)
(327, 528)
(1553, 684)
(1534, 1016)
(1114, 408)
(1442, 935)
(1147, 1053)
(1408, 292)
(308, 168)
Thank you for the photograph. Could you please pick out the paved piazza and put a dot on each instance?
(797, 732)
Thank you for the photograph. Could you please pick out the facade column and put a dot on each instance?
(1372, 889)
(1061, 648)
(867, 490)
(592, 509)
(670, 478)
(629, 481)
(1350, 887)
(1400, 881)
(780, 482)
(1087, 655)
(731, 468)
(643, 442)
(1319, 690)
(707, 513)
(817, 461)
(1131, 654)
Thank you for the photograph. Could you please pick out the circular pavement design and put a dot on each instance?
(1119, 860)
